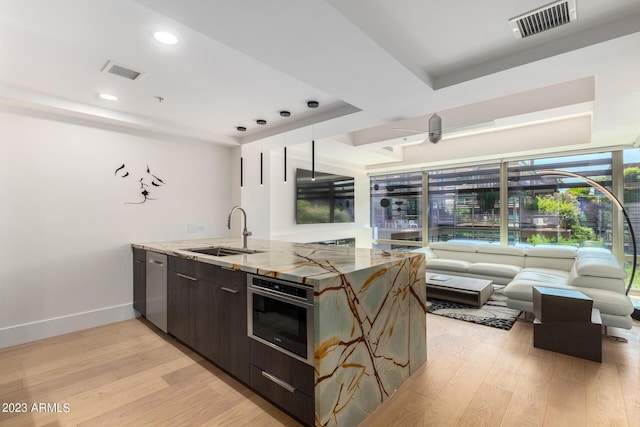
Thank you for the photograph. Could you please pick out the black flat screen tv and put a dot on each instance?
(328, 198)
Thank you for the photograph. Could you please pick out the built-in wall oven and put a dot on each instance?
(280, 315)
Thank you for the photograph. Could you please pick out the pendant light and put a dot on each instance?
(313, 154)
(285, 155)
(261, 122)
(313, 160)
(261, 157)
(313, 104)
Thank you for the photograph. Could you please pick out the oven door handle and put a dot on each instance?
(281, 297)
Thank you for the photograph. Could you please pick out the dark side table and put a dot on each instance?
(566, 322)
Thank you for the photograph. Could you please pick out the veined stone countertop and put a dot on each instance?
(369, 315)
(303, 263)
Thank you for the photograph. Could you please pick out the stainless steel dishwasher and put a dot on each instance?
(157, 289)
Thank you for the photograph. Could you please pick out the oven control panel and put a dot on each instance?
(281, 287)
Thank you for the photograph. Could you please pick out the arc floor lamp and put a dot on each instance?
(619, 205)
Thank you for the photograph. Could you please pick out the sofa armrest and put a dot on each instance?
(427, 251)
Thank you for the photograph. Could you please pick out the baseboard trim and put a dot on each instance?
(33, 331)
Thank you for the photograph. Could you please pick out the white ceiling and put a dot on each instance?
(373, 65)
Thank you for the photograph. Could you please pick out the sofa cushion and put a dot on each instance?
(605, 283)
(501, 250)
(552, 251)
(447, 264)
(492, 269)
(550, 256)
(522, 289)
(593, 250)
(609, 302)
(455, 247)
(599, 264)
(543, 275)
(496, 254)
(470, 242)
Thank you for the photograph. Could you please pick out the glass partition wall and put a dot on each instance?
(396, 210)
(466, 203)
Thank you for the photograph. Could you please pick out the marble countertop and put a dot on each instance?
(298, 262)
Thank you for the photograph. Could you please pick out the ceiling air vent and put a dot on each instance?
(122, 71)
(543, 19)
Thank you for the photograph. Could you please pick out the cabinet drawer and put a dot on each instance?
(195, 269)
(182, 265)
(290, 370)
(231, 278)
(282, 394)
(206, 271)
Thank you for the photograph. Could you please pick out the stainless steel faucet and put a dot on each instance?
(245, 233)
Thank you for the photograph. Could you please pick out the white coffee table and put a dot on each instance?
(465, 290)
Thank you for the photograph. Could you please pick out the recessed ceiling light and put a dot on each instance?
(108, 97)
(285, 113)
(312, 104)
(261, 122)
(165, 37)
(241, 129)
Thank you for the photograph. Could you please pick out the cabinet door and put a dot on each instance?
(207, 340)
(139, 282)
(181, 301)
(231, 319)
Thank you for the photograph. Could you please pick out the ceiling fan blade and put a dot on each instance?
(452, 130)
(427, 139)
(410, 130)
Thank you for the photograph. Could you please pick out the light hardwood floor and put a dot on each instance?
(129, 373)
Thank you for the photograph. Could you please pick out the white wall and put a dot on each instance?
(254, 198)
(271, 207)
(65, 230)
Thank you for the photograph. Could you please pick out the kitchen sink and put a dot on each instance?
(223, 251)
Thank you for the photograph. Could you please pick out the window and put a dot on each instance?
(464, 203)
(631, 201)
(558, 209)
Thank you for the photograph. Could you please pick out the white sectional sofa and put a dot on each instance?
(592, 271)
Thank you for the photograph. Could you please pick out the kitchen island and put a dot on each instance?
(369, 316)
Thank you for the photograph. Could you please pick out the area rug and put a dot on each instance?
(494, 312)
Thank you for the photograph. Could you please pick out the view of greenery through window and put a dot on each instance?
(561, 210)
(464, 203)
(631, 201)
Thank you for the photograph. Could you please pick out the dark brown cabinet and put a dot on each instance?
(231, 322)
(140, 281)
(181, 302)
(287, 382)
(207, 310)
(191, 304)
